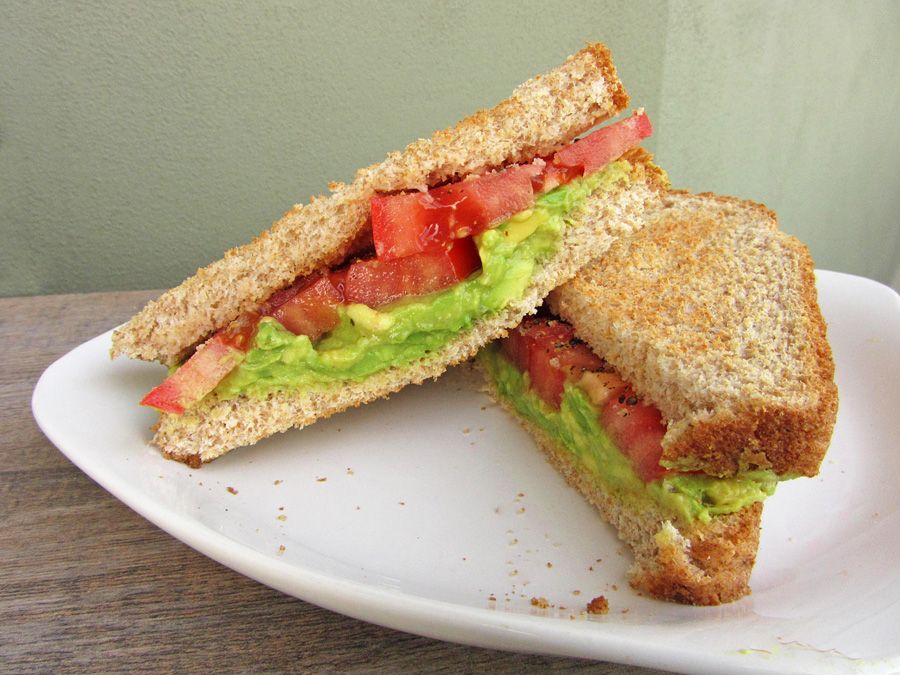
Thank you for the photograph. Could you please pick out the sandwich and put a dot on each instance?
(413, 266)
(674, 382)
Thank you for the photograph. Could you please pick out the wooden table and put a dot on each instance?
(87, 585)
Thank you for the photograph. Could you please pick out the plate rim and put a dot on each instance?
(404, 611)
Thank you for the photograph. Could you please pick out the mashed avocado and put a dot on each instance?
(687, 497)
(369, 340)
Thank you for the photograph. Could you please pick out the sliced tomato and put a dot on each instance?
(312, 310)
(551, 354)
(549, 351)
(637, 430)
(600, 147)
(406, 224)
(198, 376)
(378, 282)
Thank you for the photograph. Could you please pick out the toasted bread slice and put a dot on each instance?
(710, 312)
(695, 564)
(541, 116)
(217, 425)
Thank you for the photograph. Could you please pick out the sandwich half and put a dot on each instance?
(675, 382)
(413, 266)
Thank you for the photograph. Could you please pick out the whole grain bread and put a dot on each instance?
(218, 425)
(696, 564)
(542, 115)
(710, 312)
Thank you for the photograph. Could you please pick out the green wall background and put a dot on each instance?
(138, 140)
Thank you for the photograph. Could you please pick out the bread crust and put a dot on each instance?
(743, 375)
(542, 114)
(216, 426)
(696, 564)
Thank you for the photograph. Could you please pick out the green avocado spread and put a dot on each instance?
(575, 425)
(369, 340)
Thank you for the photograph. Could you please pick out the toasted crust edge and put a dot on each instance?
(766, 434)
(696, 565)
(542, 114)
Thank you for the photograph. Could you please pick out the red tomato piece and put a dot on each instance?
(406, 224)
(600, 147)
(312, 310)
(550, 353)
(378, 282)
(637, 430)
(199, 375)
(552, 176)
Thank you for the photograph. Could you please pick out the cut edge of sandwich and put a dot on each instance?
(696, 564)
(617, 305)
(541, 116)
(744, 375)
(217, 425)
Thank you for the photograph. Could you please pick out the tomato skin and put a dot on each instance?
(602, 146)
(637, 429)
(377, 282)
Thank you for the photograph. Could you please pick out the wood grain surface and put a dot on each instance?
(87, 585)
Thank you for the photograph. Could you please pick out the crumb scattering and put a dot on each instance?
(598, 605)
(540, 602)
(282, 517)
(549, 565)
(321, 479)
(280, 549)
(231, 490)
(576, 592)
(278, 482)
(349, 471)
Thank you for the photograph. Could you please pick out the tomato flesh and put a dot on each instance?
(551, 355)
(199, 375)
(637, 429)
(600, 147)
(312, 310)
(378, 282)
(426, 222)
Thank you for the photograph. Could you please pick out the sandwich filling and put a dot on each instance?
(444, 258)
(367, 339)
(556, 383)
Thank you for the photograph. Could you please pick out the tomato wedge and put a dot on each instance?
(600, 147)
(208, 366)
(550, 353)
(378, 282)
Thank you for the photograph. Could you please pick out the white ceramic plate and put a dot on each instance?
(434, 513)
